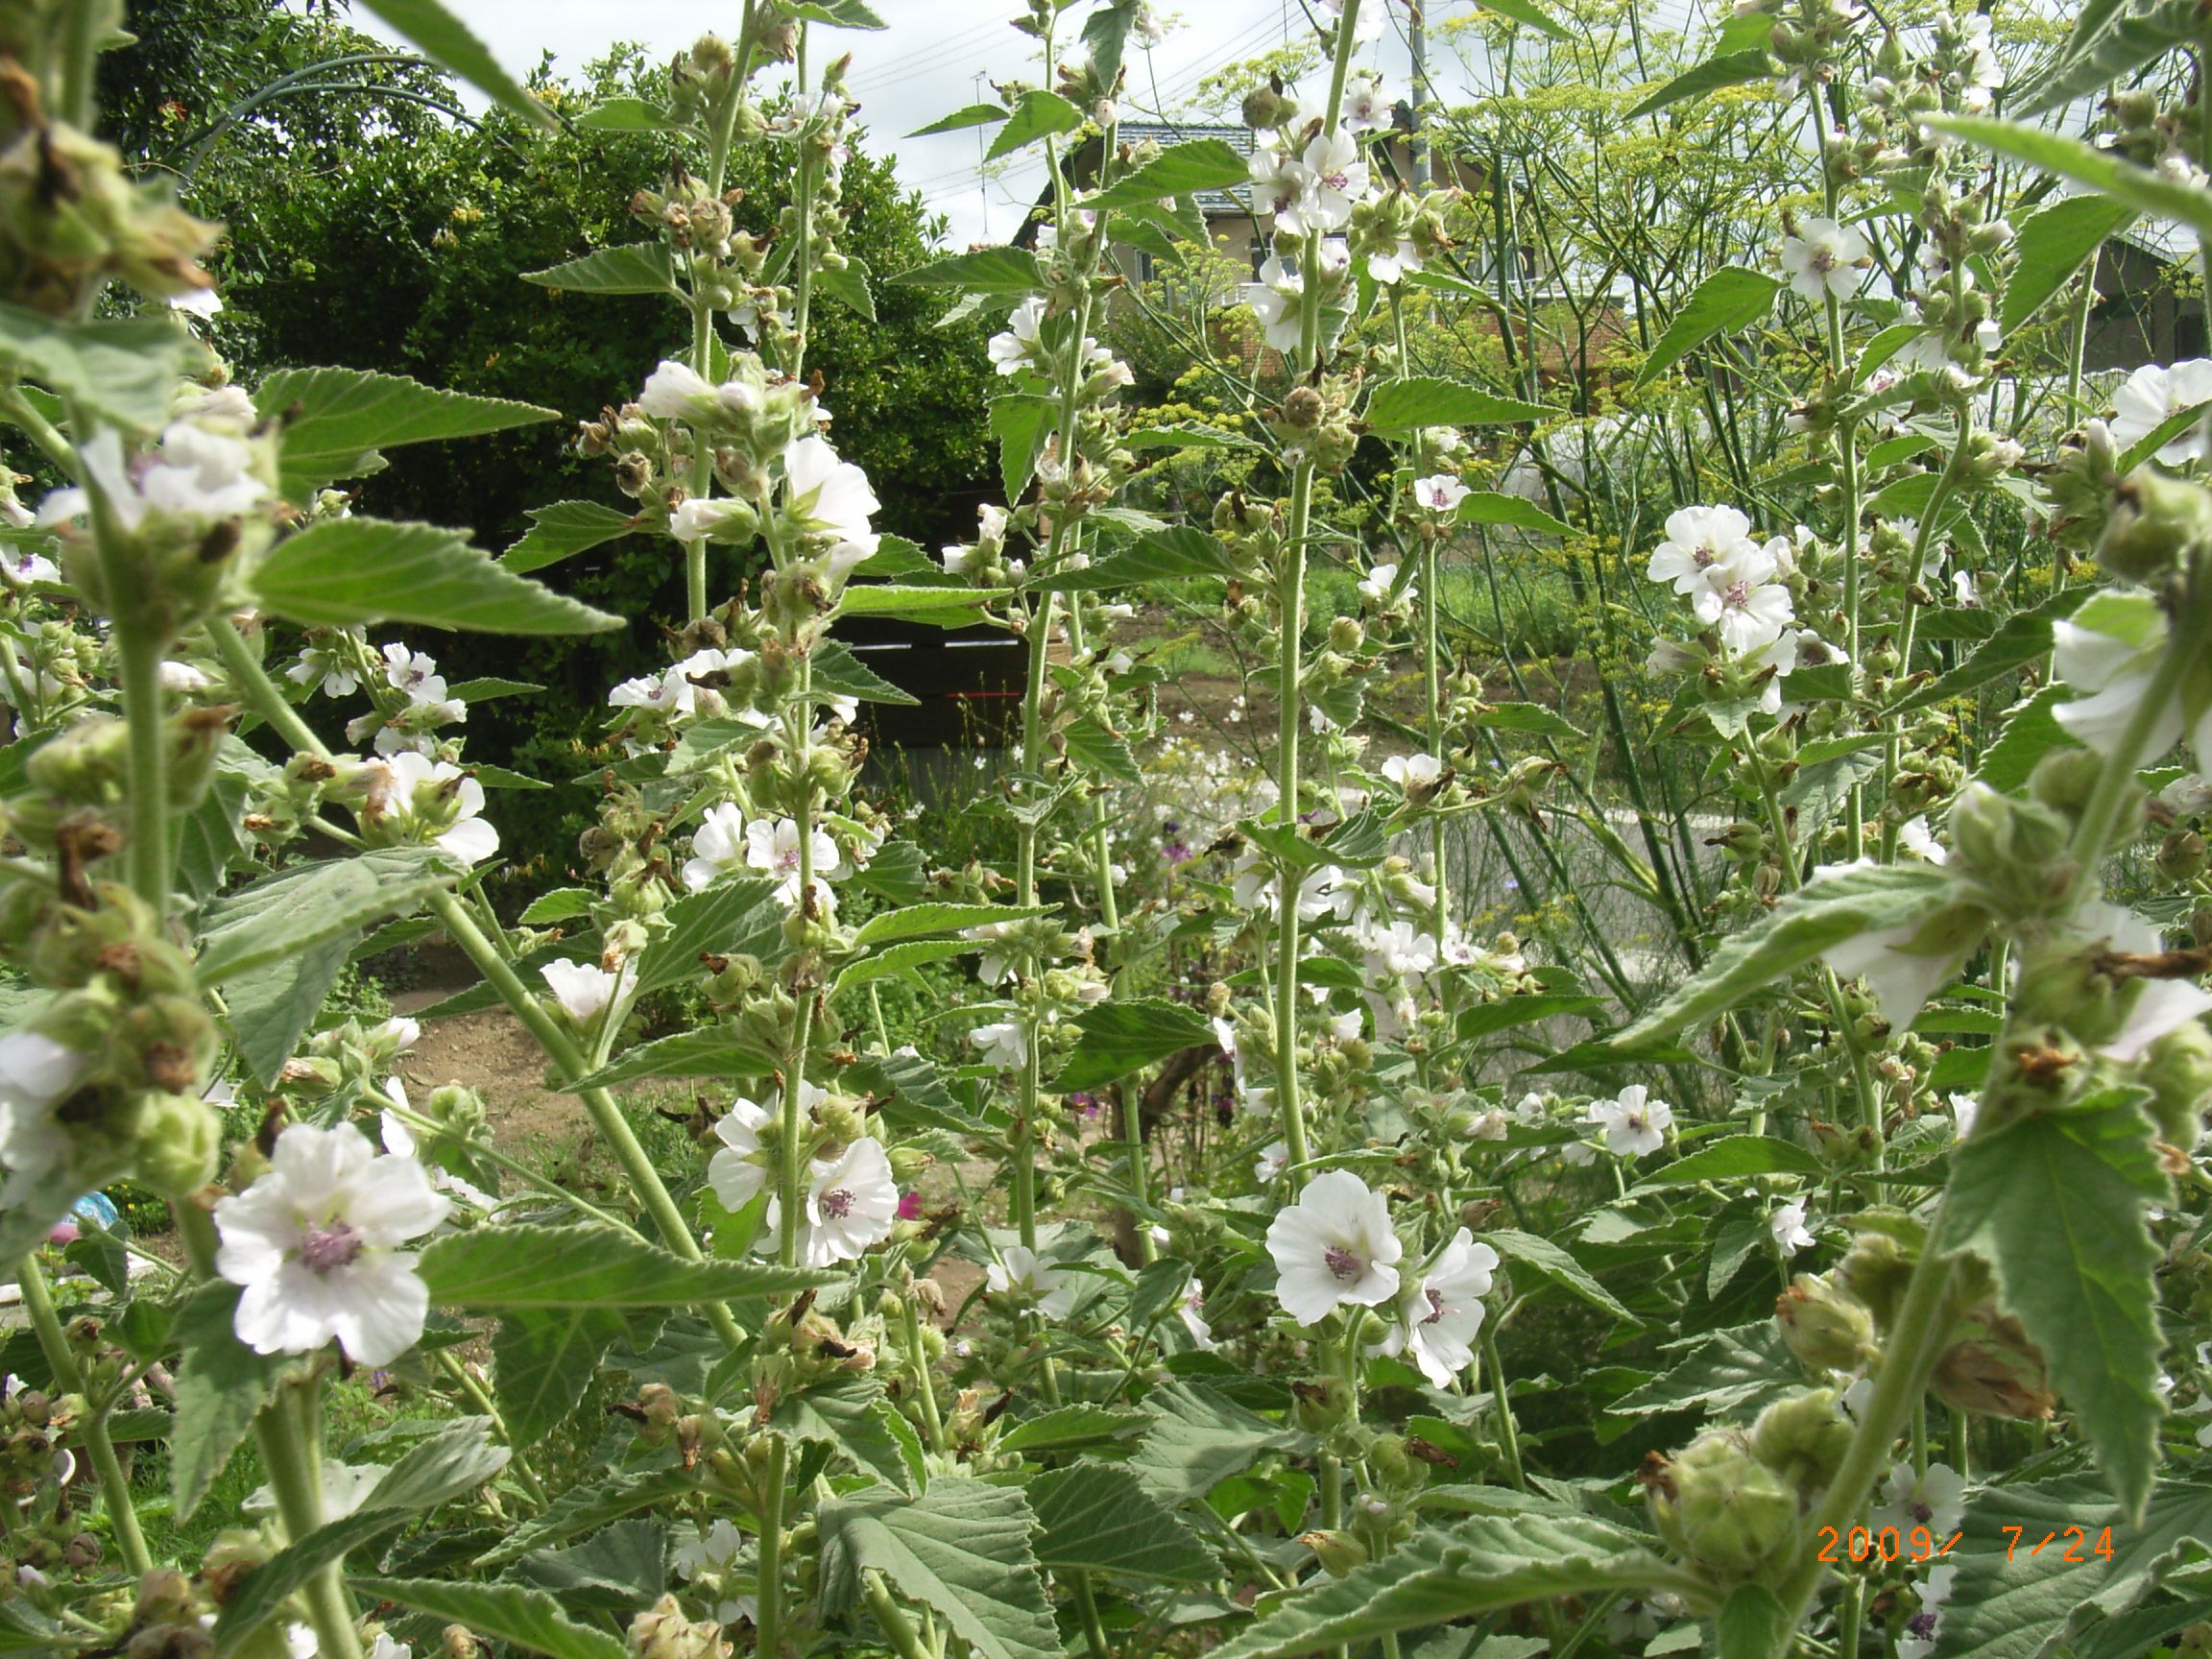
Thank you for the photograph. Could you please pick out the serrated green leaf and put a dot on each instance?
(544, 1360)
(269, 1007)
(1487, 1017)
(939, 607)
(1170, 555)
(446, 37)
(332, 422)
(852, 1416)
(628, 115)
(900, 962)
(1720, 1371)
(1199, 1437)
(1730, 69)
(2032, 731)
(1022, 424)
(2110, 41)
(1732, 1157)
(1529, 12)
(342, 571)
(2053, 244)
(515, 1614)
(524, 1268)
(123, 369)
(1095, 1517)
(709, 1051)
(1040, 115)
(1075, 1428)
(1006, 271)
(635, 268)
(1733, 297)
(972, 115)
(1550, 1262)
(961, 1548)
(2102, 170)
(562, 531)
(221, 1385)
(1431, 400)
(1120, 1038)
(848, 285)
(586, 1507)
(919, 920)
(836, 669)
(1531, 718)
(741, 917)
(1492, 507)
(1179, 170)
(296, 908)
(2054, 1202)
(2020, 638)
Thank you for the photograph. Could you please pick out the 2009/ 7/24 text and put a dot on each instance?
(1891, 1544)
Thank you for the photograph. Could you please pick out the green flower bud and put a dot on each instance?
(1874, 1274)
(2178, 1070)
(1338, 1552)
(1724, 1510)
(2066, 780)
(1803, 1439)
(1825, 1327)
(2157, 524)
(180, 1144)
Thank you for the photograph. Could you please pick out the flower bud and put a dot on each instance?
(2178, 1070)
(1803, 1439)
(180, 1144)
(662, 1633)
(1338, 1552)
(1991, 1367)
(2157, 524)
(1723, 1510)
(1826, 1329)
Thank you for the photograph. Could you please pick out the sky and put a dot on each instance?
(923, 65)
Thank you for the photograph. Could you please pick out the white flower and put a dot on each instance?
(1338, 178)
(1004, 1042)
(194, 474)
(714, 1550)
(1634, 1124)
(1917, 839)
(1441, 1315)
(414, 672)
(1826, 258)
(1390, 266)
(346, 1487)
(1741, 598)
(1400, 948)
(669, 692)
(719, 844)
(1191, 1311)
(1018, 345)
(699, 517)
(1367, 26)
(851, 1202)
(401, 1033)
(1901, 978)
(1697, 540)
(1275, 299)
(1379, 583)
(834, 497)
(418, 784)
(673, 390)
(1333, 1247)
(1788, 1226)
(1368, 99)
(736, 1172)
(1413, 771)
(330, 663)
(1273, 1159)
(399, 1141)
(1935, 1500)
(583, 991)
(2152, 395)
(198, 303)
(1919, 1639)
(315, 1242)
(1439, 493)
(2159, 1006)
(2109, 649)
(1964, 1108)
(35, 1071)
(774, 847)
(19, 568)
(182, 677)
(1022, 1272)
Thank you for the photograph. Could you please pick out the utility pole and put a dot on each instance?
(982, 164)
(1417, 42)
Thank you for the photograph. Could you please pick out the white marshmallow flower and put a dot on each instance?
(834, 499)
(1935, 1500)
(1788, 1227)
(719, 844)
(1017, 347)
(315, 1243)
(2108, 651)
(1333, 1248)
(35, 1073)
(1634, 1124)
(852, 1203)
(584, 991)
(773, 847)
(1275, 300)
(1441, 1315)
(1020, 1271)
(438, 798)
(1826, 259)
(1440, 493)
(1005, 1043)
(2150, 396)
(1339, 179)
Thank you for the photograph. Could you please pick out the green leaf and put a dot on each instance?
(302, 906)
(1549, 1261)
(2110, 41)
(1826, 912)
(2054, 1202)
(332, 422)
(1431, 400)
(628, 115)
(1095, 1517)
(2157, 438)
(837, 670)
(124, 371)
(840, 13)
(1184, 436)
(346, 570)
(912, 1092)
(520, 1268)
(446, 37)
(1199, 1438)
(515, 1614)
(2020, 638)
(2053, 244)
(448, 1465)
(1731, 69)
(1075, 1428)
(1120, 1038)
(1483, 1563)
(590, 1507)
(2032, 731)
(1179, 170)
(939, 607)
(1022, 424)
(221, 1385)
(900, 962)
(1731, 1157)
(564, 530)
(852, 1416)
(1529, 12)
(211, 838)
(2139, 187)
(1040, 115)
(961, 1548)
(1008, 271)
(919, 921)
(543, 1363)
(1752, 1623)
(1171, 555)
(1487, 1017)
(560, 904)
(974, 115)
(635, 268)
(709, 1052)
(1492, 507)
(1531, 718)
(2013, 1601)
(733, 918)
(1734, 296)
(848, 285)
(1722, 1371)
(270, 1008)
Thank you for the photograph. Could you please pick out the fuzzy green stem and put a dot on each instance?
(1501, 1401)
(924, 1381)
(898, 1629)
(287, 1434)
(115, 1485)
(769, 1591)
